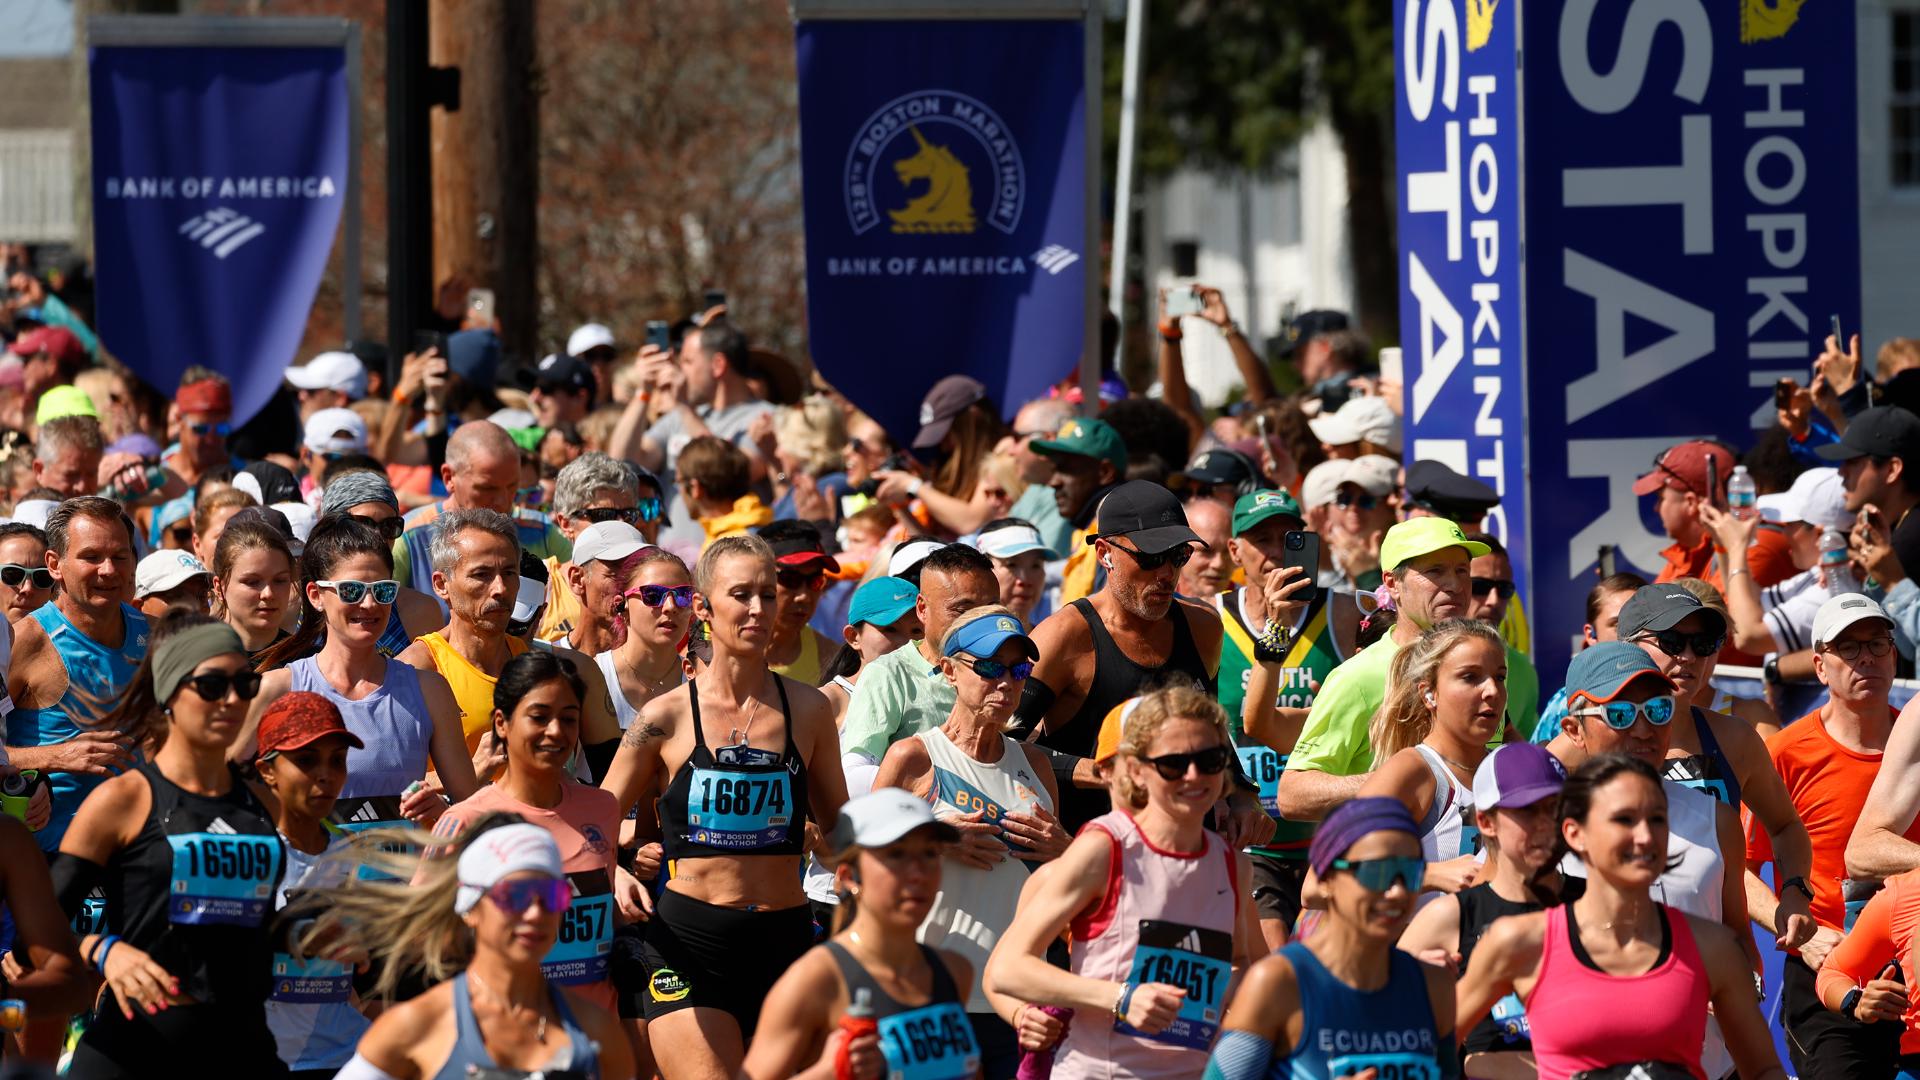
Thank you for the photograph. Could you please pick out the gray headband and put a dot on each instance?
(355, 488)
(175, 659)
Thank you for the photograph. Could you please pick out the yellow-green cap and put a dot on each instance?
(62, 401)
(1423, 536)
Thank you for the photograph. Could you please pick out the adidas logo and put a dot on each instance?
(1053, 258)
(221, 231)
(220, 827)
(1190, 943)
(366, 812)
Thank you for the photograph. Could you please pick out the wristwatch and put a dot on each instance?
(1851, 1001)
(1800, 883)
(1770, 671)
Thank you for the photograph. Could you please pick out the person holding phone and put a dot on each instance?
(1685, 478)
(1867, 976)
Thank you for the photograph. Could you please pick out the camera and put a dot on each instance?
(1296, 541)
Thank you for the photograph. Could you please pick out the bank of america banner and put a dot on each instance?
(943, 172)
(219, 175)
(1457, 139)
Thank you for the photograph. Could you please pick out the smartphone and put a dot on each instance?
(1302, 549)
(1392, 365)
(1184, 300)
(714, 298)
(1713, 483)
(1783, 394)
(429, 339)
(659, 335)
(480, 304)
(1838, 341)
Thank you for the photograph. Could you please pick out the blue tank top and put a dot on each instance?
(1709, 770)
(394, 638)
(392, 721)
(1345, 1031)
(96, 676)
(470, 1049)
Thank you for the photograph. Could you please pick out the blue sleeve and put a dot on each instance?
(1239, 1055)
(1551, 714)
(1820, 432)
(1903, 607)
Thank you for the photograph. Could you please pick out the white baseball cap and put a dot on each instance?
(1323, 483)
(591, 336)
(881, 817)
(1369, 418)
(909, 555)
(1376, 474)
(336, 431)
(163, 570)
(606, 541)
(530, 598)
(1842, 611)
(341, 371)
(1817, 497)
(300, 518)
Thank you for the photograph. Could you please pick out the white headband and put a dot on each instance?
(499, 852)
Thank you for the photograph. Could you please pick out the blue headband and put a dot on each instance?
(1352, 820)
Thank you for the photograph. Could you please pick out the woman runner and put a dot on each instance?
(650, 621)
(252, 582)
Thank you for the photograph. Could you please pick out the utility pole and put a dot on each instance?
(413, 89)
(486, 167)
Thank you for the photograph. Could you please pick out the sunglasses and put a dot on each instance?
(1620, 715)
(352, 592)
(1378, 875)
(12, 574)
(221, 429)
(213, 686)
(994, 669)
(1704, 643)
(554, 895)
(655, 595)
(644, 510)
(795, 579)
(1845, 650)
(1211, 762)
(391, 528)
(1484, 585)
(1347, 498)
(1174, 557)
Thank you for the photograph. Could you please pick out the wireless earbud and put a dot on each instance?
(1430, 701)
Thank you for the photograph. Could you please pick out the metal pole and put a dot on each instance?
(1091, 361)
(409, 181)
(1123, 171)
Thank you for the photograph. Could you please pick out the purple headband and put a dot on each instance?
(1352, 820)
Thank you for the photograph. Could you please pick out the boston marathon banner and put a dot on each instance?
(943, 170)
(219, 174)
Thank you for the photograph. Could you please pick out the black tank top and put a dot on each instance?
(752, 803)
(1505, 1028)
(1115, 679)
(195, 889)
(934, 1040)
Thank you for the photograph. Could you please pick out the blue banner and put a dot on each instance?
(1693, 223)
(219, 175)
(943, 173)
(1456, 96)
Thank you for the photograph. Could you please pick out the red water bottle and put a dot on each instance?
(1038, 1064)
(858, 1020)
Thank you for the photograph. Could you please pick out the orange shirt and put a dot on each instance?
(1828, 784)
(1883, 933)
(1770, 560)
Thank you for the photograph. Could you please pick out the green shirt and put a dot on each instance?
(898, 696)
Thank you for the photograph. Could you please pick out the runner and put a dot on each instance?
(880, 619)
(1019, 564)
(253, 582)
(190, 861)
(1515, 793)
(483, 918)
(1574, 966)
(890, 848)
(1154, 901)
(738, 797)
(998, 793)
(405, 718)
(592, 582)
(41, 968)
(651, 614)
(1446, 700)
(304, 745)
(1867, 976)
(1345, 1002)
(367, 495)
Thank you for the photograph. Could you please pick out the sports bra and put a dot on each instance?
(1709, 770)
(470, 1057)
(921, 1042)
(740, 801)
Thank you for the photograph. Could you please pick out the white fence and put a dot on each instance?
(36, 187)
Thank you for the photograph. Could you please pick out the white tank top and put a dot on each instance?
(974, 905)
(623, 710)
(1448, 831)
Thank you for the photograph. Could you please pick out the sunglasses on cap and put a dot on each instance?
(554, 895)
(1362, 500)
(655, 595)
(1484, 585)
(214, 685)
(1378, 875)
(1211, 762)
(1174, 557)
(994, 669)
(1620, 715)
(1704, 643)
(390, 528)
(352, 592)
(12, 574)
(801, 579)
(222, 429)
(643, 510)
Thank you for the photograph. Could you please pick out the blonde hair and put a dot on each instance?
(724, 548)
(1405, 718)
(596, 428)
(1708, 596)
(397, 902)
(1003, 471)
(1182, 701)
(814, 431)
(970, 615)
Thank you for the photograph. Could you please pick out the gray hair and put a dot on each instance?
(67, 433)
(587, 475)
(451, 523)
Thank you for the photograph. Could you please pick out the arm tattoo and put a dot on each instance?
(641, 733)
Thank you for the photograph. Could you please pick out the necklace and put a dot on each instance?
(739, 737)
(1457, 766)
(540, 1031)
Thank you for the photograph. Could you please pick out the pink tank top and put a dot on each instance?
(1167, 917)
(1576, 1015)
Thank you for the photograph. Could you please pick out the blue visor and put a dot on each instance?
(983, 637)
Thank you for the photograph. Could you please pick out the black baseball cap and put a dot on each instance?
(1885, 431)
(1147, 514)
(1433, 486)
(1229, 467)
(1308, 325)
(1653, 608)
(559, 369)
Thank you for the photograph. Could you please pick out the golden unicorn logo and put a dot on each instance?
(946, 206)
(1479, 23)
(1765, 20)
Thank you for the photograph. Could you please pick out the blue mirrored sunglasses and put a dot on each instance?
(1620, 715)
(1378, 875)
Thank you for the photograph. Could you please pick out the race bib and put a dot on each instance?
(1510, 1020)
(930, 1043)
(1197, 960)
(313, 981)
(1469, 832)
(1699, 772)
(740, 810)
(1391, 1066)
(92, 916)
(360, 813)
(222, 878)
(1263, 766)
(579, 954)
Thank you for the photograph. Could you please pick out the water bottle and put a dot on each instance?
(1835, 571)
(16, 793)
(859, 1020)
(1741, 493)
(154, 479)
